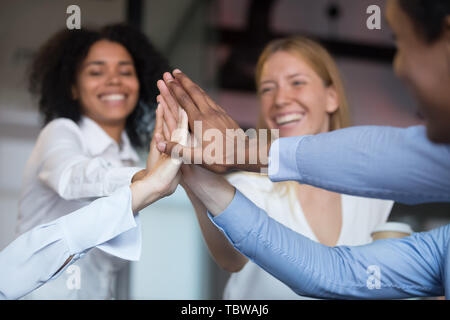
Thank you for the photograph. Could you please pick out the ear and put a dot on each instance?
(74, 92)
(332, 99)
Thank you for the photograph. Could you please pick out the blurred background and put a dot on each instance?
(216, 42)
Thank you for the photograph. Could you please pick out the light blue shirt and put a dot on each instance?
(380, 162)
(34, 258)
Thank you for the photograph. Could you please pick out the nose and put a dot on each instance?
(282, 98)
(113, 79)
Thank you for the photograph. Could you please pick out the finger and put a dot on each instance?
(178, 151)
(194, 91)
(154, 153)
(208, 99)
(183, 122)
(159, 119)
(184, 100)
(180, 135)
(169, 118)
(167, 76)
(158, 123)
(166, 131)
(170, 100)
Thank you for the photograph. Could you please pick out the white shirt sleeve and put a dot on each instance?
(67, 170)
(33, 258)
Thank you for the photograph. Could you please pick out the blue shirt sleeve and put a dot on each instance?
(35, 257)
(385, 269)
(370, 161)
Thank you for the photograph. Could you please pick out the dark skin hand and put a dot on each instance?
(179, 90)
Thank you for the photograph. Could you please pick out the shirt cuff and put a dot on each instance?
(283, 160)
(107, 223)
(127, 245)
(119, 177)
(238, 219)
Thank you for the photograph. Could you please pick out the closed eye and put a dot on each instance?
(127, 73)
(298, 83)
(265, 90)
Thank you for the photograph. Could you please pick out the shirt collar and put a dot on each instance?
(97, 140)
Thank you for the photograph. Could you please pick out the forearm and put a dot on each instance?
(408, 267)
(31, 260)
(44, 252)
(144, 192)
(378, 162)
(225, 255)
(212, 190)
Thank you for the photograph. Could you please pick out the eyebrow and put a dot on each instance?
(296, 75)
(289, 77)
(99, 62)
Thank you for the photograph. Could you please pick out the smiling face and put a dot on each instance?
(294, 99)
(107, 86)
(425, 68)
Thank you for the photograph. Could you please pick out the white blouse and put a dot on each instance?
(360, 216)
(70, 166)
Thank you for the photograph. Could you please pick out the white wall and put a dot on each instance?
(174, 262)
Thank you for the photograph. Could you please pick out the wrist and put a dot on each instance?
(213, 191)
(139, 175)
(256, 155)
(220, 199)
(143, 193)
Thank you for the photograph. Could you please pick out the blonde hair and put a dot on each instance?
(320, 60)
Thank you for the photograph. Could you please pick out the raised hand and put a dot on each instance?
(162, 174)
(223, 145)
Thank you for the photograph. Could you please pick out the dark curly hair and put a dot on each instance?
(54, 69)
(427, 15)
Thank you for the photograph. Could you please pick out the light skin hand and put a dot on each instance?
(162, 173)
(160, 134)
(179, 90)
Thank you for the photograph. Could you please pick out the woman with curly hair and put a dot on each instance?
(96, 92)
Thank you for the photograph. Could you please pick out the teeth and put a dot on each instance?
(280, 120)
(112, 97)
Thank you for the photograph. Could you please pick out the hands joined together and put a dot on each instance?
(215, 142)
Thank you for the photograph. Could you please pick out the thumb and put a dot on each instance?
(178, 151)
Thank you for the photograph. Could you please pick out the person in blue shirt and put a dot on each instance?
(410, 165)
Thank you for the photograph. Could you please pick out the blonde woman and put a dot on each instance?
(301, 93)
